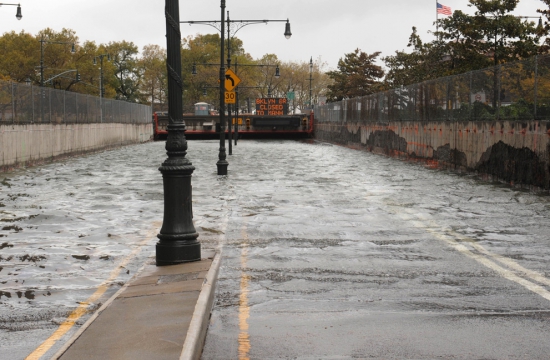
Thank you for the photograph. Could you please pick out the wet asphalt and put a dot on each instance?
(332, 253)
(328, 252)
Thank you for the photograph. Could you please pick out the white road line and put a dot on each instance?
(517, 273)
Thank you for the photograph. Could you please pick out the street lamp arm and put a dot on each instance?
(212, 64)
(58, 75)
(240, 24)
(209, 23)
(56, 42)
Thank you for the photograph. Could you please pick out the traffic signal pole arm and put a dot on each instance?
(58, 75)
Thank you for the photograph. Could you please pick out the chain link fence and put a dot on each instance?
(513, 91)
(28, 104)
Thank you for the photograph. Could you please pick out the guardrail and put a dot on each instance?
(512, 91)
(28, 104)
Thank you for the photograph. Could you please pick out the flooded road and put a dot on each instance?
(328, 253)
(331, 253)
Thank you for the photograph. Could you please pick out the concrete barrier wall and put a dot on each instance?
(517, 152)
(34, 143)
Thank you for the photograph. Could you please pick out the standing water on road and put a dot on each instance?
(332, 253)
(74, 232)
(327, 252)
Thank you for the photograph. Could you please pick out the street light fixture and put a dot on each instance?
(18, 14)
(178, 237)
(222, 163)
(287, 34)
(100, 57)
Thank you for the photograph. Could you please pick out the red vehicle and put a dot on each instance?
(244, 125)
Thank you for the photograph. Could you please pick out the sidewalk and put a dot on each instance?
(162, 313)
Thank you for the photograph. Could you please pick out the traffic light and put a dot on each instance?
(77, 76)
(247, 124)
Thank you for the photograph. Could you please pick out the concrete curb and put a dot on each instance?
(196, 334)
(89, 322)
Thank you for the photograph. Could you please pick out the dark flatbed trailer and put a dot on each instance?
(247, 126)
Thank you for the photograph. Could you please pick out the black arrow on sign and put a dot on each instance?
(228, 77)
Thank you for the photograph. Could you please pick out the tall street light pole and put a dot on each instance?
(222, 163)
(310, 79)
(18, 13)
(101, 87)
(239, 24)
(42, 92)
(178, 237)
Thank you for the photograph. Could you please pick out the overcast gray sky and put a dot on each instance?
(321, 28)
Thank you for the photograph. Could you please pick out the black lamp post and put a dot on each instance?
(239, 24)
(310, 79)
(101, 87)
(178, 237)
(18, 14)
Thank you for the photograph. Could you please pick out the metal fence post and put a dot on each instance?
(50, 98)
(12, 103)
(32, 103)
(76, 109)
(64, 108)
(499, 83)
(470, 98)
(536, 86)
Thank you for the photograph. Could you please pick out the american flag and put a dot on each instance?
(442, 9)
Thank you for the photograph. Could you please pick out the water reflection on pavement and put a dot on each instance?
(328, 252)
(332, 253)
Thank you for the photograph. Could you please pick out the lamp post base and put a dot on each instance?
(222, 167)
(178, 237)
(177, 252)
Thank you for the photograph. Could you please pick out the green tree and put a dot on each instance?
(21, 53)
(153, 70)
(422, 63)
(357, 75)
(504, 36)
(89, 73)
(58, 55)
(203, 51)
(545, 29)
(126, 79)
(465, 43)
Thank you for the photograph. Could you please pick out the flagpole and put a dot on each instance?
(436, 19)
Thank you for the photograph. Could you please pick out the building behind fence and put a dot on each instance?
(512, 91)
(28, 104)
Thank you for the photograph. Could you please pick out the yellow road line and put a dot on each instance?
(244, 308)
(82, 308)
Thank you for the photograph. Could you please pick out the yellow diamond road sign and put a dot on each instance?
(231, 80)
